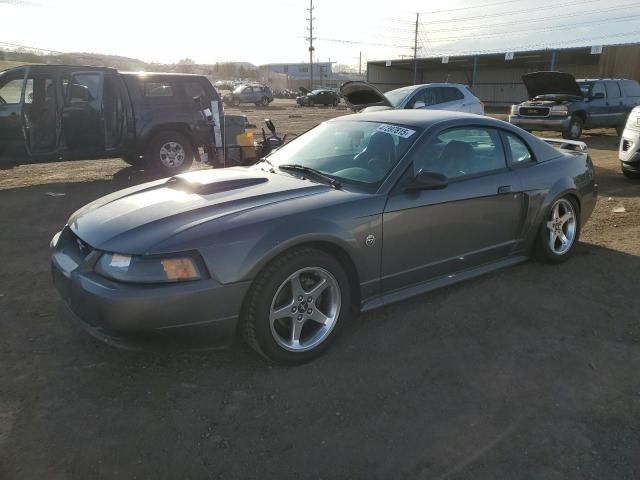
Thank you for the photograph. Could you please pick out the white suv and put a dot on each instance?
(630, 145)
(365, 97)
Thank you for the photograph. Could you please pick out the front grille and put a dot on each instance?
(73, 246)
(534, 111)
(626, 145)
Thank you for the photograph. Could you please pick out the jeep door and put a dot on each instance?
(11, 91)
(476, 219)
(82, 116)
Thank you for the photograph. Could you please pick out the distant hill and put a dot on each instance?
(225, 70)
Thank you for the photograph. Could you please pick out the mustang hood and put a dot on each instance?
(132, 221)
(546, 83)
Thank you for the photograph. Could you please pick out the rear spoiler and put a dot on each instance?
(572, 145)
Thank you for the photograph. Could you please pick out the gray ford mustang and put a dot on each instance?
(359, 212)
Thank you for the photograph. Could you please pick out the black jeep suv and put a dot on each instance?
(561, 103)
(63, 112)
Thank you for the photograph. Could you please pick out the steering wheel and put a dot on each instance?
(2, 101)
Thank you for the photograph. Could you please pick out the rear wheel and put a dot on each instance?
(574, 131)
(295, 306)
(559, 232)
(169, 153)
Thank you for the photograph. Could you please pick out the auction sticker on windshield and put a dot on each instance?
(395, 130)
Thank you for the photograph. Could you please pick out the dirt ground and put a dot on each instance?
(528, 373)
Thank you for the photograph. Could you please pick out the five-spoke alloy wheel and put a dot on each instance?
(296, 305)
(559, 233)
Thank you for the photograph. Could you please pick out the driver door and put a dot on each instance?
(83, 124)
(476, 219)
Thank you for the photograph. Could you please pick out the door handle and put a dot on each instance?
(505, 189)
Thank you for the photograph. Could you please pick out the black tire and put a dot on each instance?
(235, 102)
(543, 251)
(311, 103)
(254, 324)
(336, 103)
(575, 128)
(631, 175)
(265, 102)
(154, 158)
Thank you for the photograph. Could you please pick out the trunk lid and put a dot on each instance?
(559, 83)
(359, 95)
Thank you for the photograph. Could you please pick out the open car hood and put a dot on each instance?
(359, 95)
(546, 83)
(304, 91)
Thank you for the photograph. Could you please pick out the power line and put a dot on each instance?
(514, 12)
(433, 12)
(536, 20)
(567, 26)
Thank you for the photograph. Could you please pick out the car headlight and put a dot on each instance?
(559, 110)
(515, 109)
(150, 269)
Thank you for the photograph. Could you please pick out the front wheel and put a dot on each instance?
(559, 232)
(235, 102)
(574, 131)
(295, 306)
(169, 153)
(265, 102)
(311, 103)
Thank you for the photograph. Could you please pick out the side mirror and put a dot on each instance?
(419, 104)
(270, 125)
(597, 96)
(427, 181)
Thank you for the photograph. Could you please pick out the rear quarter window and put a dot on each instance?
(154, 88)
(631, 88)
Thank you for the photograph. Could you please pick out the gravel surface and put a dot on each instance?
(528, 373)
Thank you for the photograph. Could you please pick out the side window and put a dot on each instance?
(520, 153)
(11, 91)
(449, 94)
(194, 89)
(426, 95)
(84, 88)
(158, 89)
(613, 90)
(257, 89)
(461, 152)
(598, 87)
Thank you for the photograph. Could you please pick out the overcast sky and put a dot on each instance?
(263, 31)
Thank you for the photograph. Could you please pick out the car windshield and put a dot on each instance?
(356, 152)
(239, 89)
(396, 96)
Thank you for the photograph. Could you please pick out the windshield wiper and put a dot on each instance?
(311, 171)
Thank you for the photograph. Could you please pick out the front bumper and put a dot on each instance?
(558, 124)
(198, 315)
(629, 151)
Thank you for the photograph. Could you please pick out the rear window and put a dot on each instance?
(631, 88)
(450, 94)
(194, 89)
(158, 89)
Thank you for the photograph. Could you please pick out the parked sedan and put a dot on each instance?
(318, 97)
(365, 97)
(257, 94)
(359, 212)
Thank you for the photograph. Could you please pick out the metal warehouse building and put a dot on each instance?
(496, 77)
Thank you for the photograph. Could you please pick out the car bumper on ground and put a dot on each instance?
(629, 153)
(198, 315)
(546, 123)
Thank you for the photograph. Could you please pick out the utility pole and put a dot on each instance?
(311, 48)
(415, 51)
(360, 66)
